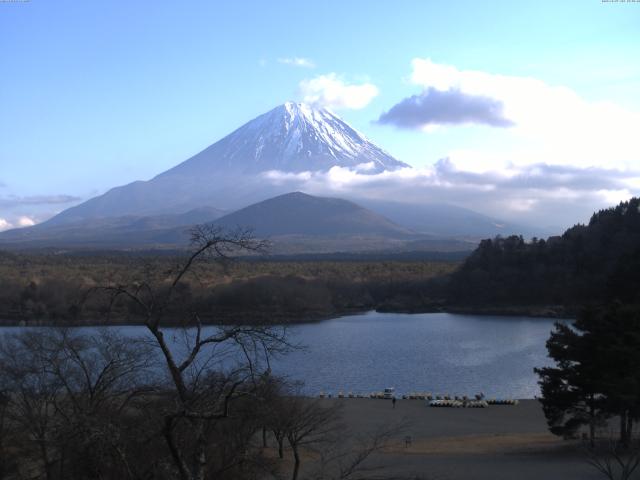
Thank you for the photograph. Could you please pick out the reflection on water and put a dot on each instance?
(434, 352)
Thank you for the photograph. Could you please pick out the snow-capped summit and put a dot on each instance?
(292, 137)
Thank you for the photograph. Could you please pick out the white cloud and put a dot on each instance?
(551, 123)
(434, 107)
(332, 91)
(365, 167)
(539, 194)
(297, 62)
(25, 211)
(25, 221)
(12, 222)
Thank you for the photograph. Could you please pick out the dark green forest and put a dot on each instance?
(588, 265)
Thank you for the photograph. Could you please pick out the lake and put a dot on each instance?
(432, 352)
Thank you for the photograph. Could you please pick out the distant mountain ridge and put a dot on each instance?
(447, 220)
(297, 213)
(295, 223)
(113, 230)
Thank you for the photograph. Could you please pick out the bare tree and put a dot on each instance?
(33, 392)
(7, 464)
(349, 458)
(313, 426)
(613, 459)
(310, 424)
(63, 392)
(276, 412)
(202, 382)
(102, 376)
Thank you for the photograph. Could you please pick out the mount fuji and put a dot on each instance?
(292, 137)
(232, 175)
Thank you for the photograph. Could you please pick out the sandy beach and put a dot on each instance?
(498, 442)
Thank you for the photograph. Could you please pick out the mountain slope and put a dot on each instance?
(301, 214)
(290, 138)
(122, 231)
(442, 219)
(293, 137)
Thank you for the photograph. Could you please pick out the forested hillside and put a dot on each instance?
(588, 264)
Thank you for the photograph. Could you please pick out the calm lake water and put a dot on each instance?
(433, 352)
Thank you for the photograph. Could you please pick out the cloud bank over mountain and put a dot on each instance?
(542, 194)
(554, 157)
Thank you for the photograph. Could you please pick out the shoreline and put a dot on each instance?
(286, 319)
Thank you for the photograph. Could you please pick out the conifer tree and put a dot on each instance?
(597, 372)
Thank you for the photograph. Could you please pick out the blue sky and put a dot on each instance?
(99, 94)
